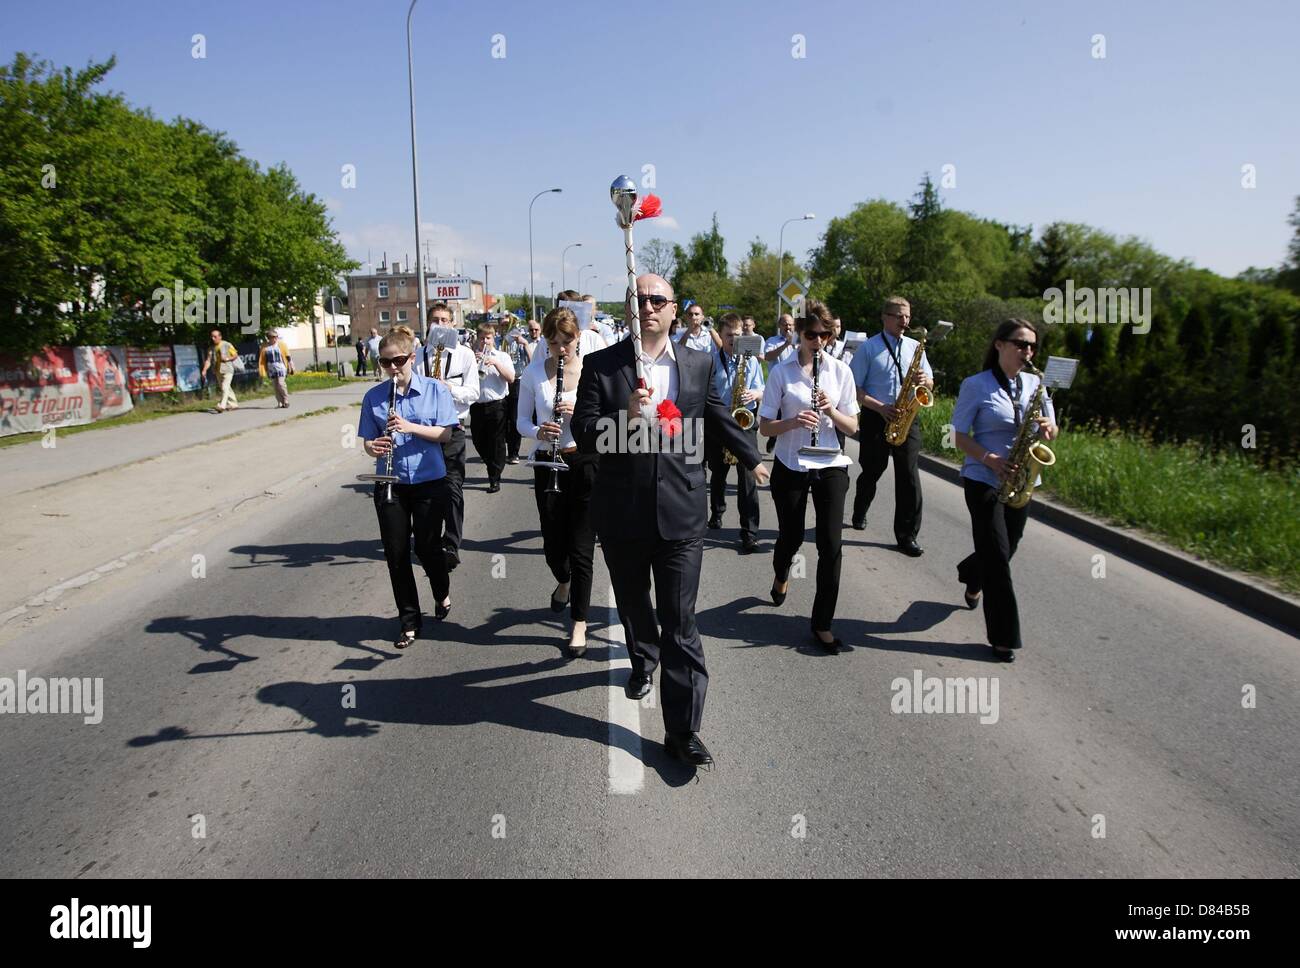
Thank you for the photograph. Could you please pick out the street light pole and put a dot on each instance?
(562, 262)
(780, 256)
(587, 266)
(532, 287)
(415, 171)
(334, 329)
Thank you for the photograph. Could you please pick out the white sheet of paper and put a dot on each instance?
(583, 310)
(810, 462)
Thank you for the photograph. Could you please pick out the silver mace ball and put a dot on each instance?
(623, 194)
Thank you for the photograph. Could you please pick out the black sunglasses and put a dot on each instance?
(656, 301)
(817, 334)
(394, 361)
(1024, 344)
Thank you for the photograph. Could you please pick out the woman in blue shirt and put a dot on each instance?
(423, 421)
(987, 419)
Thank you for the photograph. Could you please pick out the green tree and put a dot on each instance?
(928, 249)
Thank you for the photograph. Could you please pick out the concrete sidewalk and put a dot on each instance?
(31, 466)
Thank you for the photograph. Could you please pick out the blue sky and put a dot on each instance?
(1149, 141)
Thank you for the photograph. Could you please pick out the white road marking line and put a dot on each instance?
(626, 771)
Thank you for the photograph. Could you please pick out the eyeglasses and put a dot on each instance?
(656, 301)
(900, 315)
(816, 334)
(394, 361)
(1024, 344)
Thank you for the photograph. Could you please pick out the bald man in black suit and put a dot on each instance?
(649, 508)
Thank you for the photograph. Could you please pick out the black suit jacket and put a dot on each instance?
(644, 495)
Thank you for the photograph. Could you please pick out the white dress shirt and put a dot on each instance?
(789, 391)
(460, 373)
(492, 385)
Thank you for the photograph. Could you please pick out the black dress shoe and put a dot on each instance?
(778, 598)
(688, 749)
(748, 544)
(440, 612)
(494, 486)
(911, 548)
(833, 646)
(638, 685)
(859, 524)
(715, 520)
(1004, 655)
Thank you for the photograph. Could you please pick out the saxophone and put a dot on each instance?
(1028, 453)
(912, 396)
(437, 362)
(740, 413)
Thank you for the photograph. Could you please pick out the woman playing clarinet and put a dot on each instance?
(409, 417)
(795, 414)
(563, 496)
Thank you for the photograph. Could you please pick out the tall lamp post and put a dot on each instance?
(415, 169)
(532, 288)
(562, 262)
(580, 271)
(780, 256)
(334, 329)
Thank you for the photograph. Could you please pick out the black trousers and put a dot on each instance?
(487, 426)
(746, 488)
(874, 454)
(568, 538)
(418, 508)
(512, 417)
(996, 529)
(453, 455)
(673, 642)
(790, 494)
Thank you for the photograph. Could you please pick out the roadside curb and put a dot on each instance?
(1239, 590)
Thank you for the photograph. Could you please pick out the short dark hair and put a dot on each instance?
(439, 306)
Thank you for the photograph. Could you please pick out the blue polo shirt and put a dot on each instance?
(426, 401)
(724, 377)
(874, 368)
(985, 412)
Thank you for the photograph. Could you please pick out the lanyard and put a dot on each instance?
(893, 354)
(1013, 391)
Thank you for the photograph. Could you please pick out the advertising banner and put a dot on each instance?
(62, 387)
(150, 371)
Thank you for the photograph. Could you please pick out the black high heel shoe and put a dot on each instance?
(441, 611)
(778, 598)
(832, 647)
(558, 604)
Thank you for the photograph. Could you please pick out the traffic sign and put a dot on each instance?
(792, 290)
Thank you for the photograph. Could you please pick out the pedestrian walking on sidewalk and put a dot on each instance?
(225, 354)
(275, 363)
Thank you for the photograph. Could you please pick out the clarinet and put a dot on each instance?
(555, 406)
(817, 358)
(388, 459)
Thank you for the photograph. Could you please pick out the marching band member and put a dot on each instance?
(460, 375)
(878, 370)
(789, 413)
(520, 351)
(724, 379)
(487, 425)
(987, 418)
(647, 508)
(567, 536)
(424, 420)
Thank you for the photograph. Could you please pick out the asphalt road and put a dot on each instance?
(484, 751)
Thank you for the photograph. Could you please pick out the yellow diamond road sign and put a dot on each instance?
(791, 291)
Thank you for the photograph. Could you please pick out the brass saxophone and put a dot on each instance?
(740, 413)
(437, 362)
(912, 396)
(1028, 453)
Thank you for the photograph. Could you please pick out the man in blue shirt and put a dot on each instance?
(411, 436)
(878, 370)
(725, 367)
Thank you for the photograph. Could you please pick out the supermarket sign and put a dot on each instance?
(456, 287)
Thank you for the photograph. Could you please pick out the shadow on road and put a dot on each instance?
(309, 553)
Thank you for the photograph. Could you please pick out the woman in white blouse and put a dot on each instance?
(568, 538)
(789, 413)
(990, 409)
